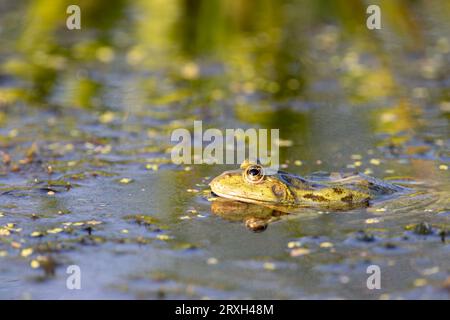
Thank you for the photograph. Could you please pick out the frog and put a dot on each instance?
(283, 191)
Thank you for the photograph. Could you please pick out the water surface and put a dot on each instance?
(85, 124)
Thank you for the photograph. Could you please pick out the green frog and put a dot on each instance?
(284, 191)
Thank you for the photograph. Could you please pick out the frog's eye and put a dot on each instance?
(254, 174)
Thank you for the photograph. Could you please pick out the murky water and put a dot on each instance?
(85, 122)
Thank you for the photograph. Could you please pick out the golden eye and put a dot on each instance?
(254, 174)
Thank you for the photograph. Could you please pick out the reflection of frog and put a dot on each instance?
(255, 217)
(283, 191)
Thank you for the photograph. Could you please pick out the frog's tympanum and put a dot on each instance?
(282, 191)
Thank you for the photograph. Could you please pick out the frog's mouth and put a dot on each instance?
(237, 197)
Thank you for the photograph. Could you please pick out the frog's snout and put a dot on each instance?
(223, 183)
(216, 183)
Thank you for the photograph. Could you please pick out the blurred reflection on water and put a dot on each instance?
(86, 116)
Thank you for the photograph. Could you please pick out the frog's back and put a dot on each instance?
(336, 190)
(356, 181)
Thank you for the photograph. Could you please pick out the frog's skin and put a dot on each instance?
(283, 190)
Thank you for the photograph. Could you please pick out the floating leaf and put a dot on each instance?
(55, 230)
(299, 252)
(26, 252)
(4, 232)
(126, 180)
(163, 237)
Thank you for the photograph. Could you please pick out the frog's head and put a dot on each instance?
(251, 183)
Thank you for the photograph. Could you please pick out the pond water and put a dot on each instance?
(86, 176)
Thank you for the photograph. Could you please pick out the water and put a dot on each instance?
(86, 117)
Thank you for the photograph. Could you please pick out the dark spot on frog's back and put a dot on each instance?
(337, 190)
(315, 197)
(347, 199)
